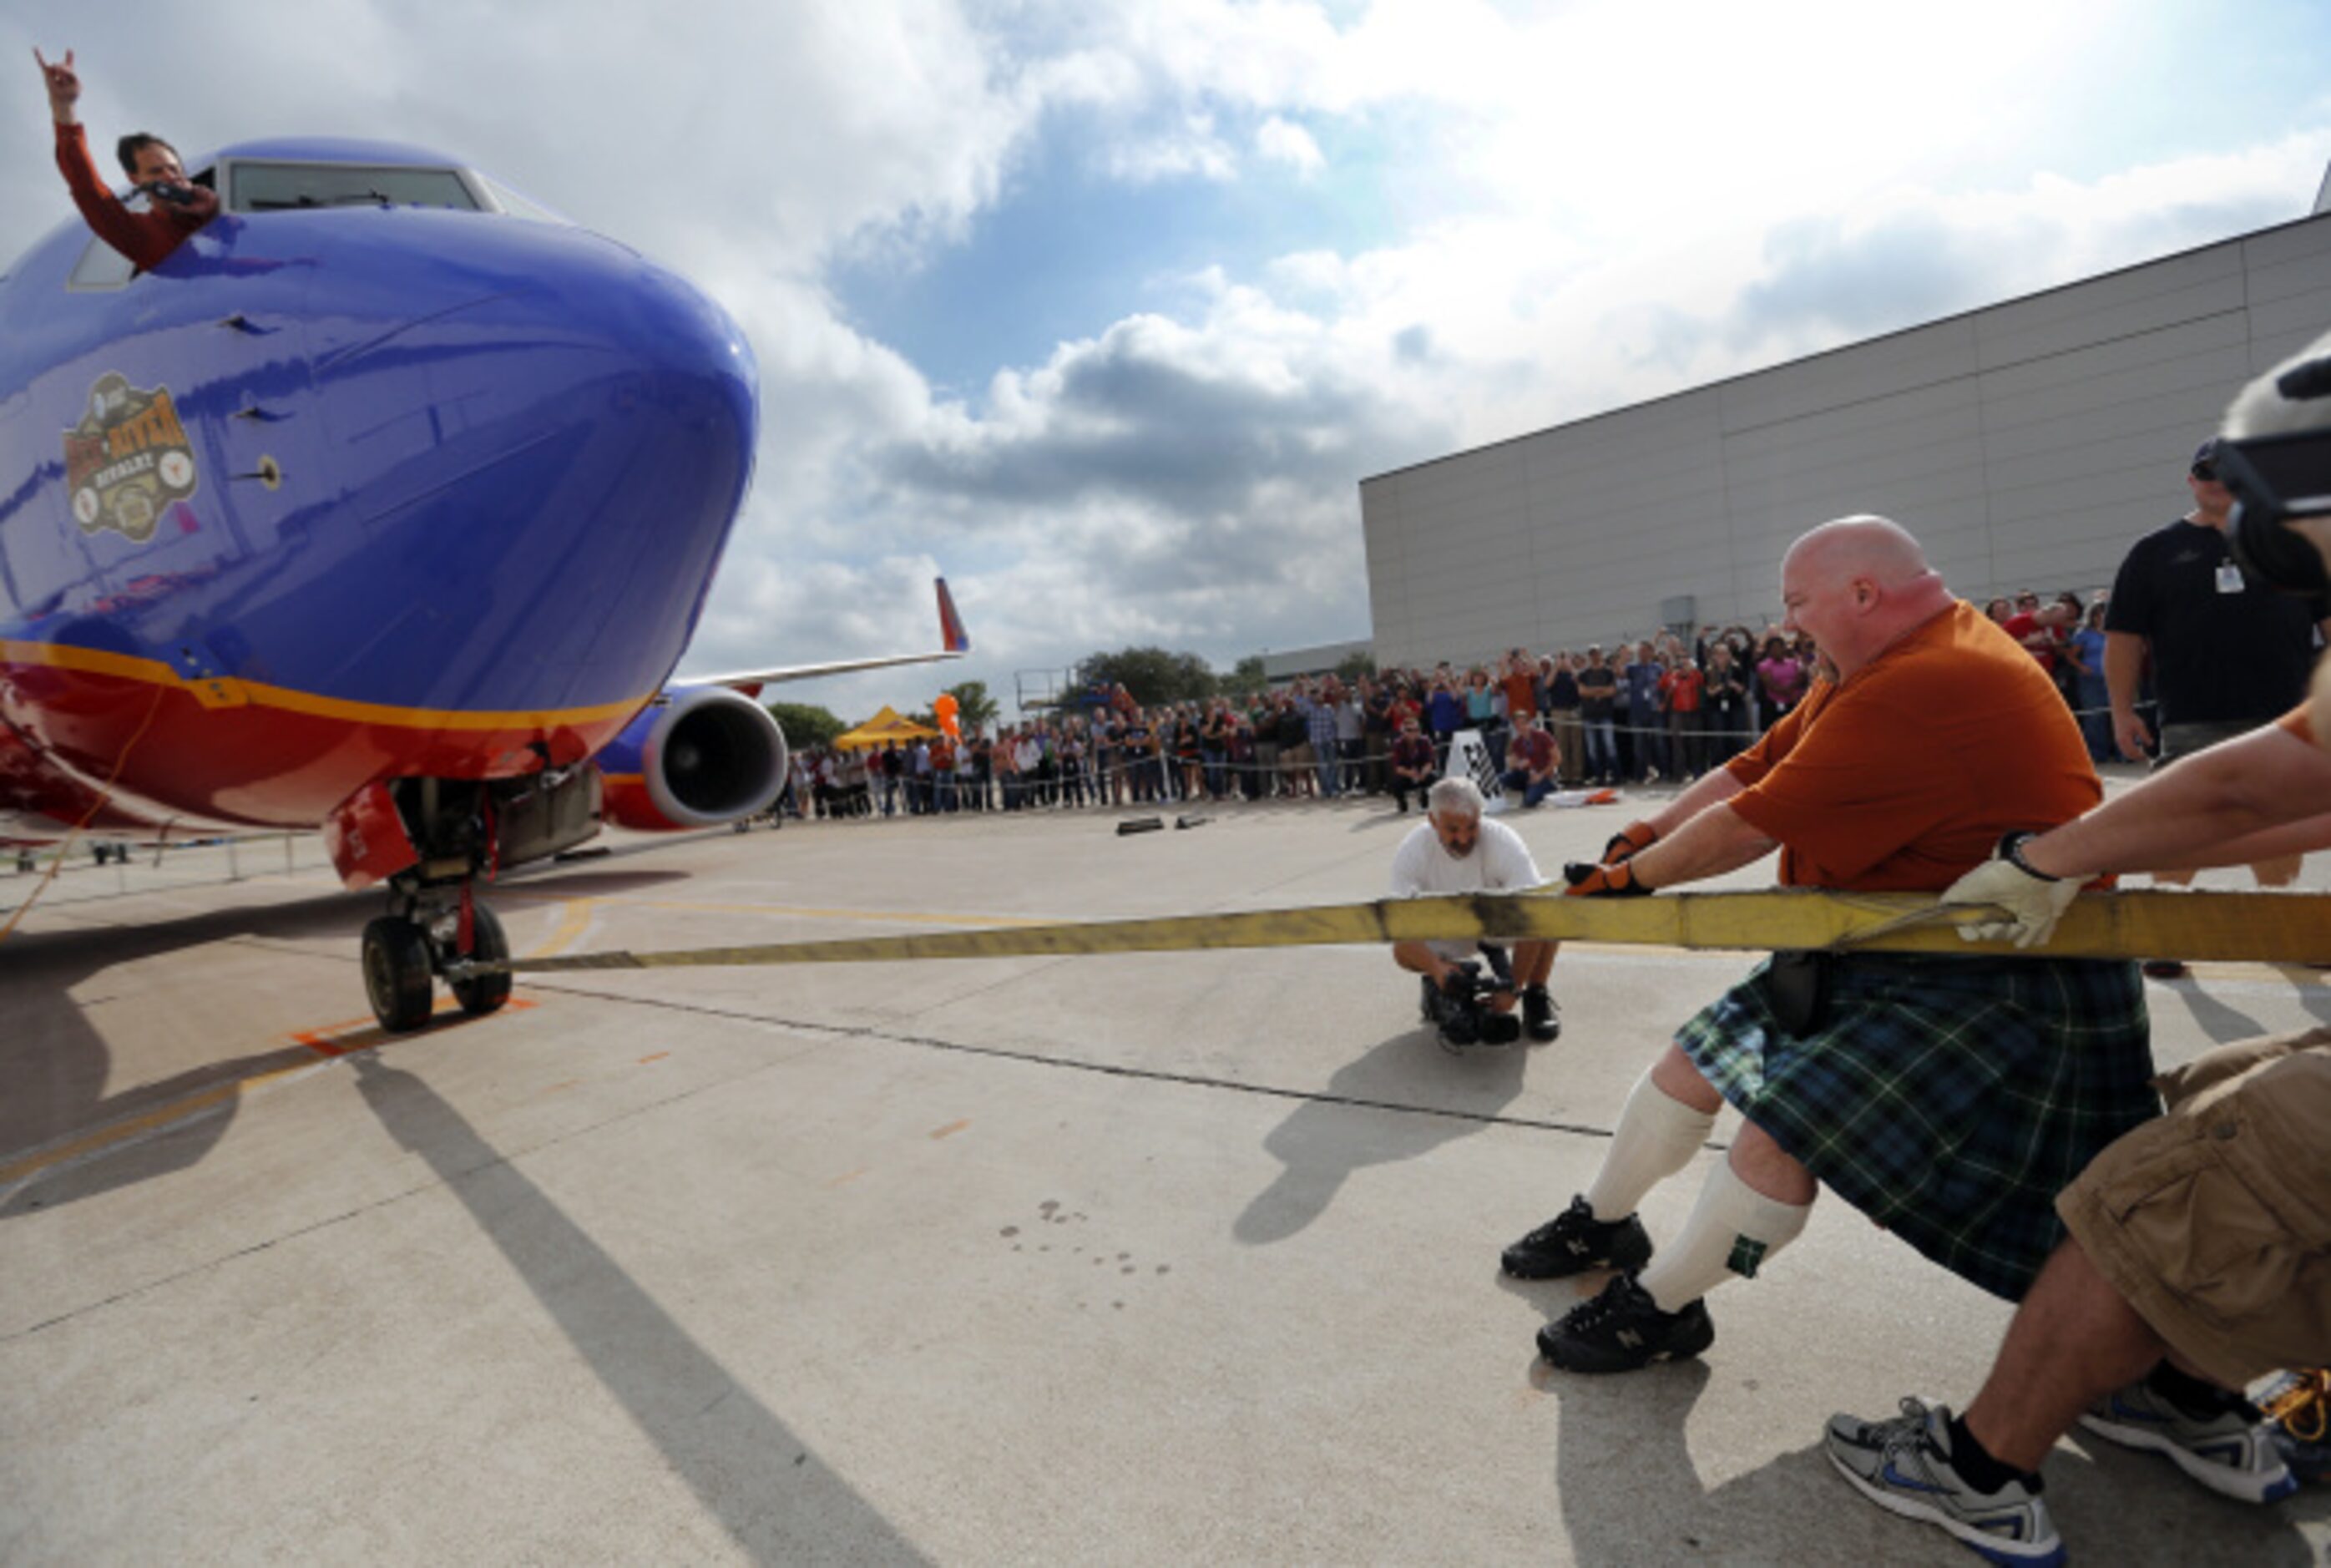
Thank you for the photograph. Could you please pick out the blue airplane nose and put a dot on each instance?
(506, 403)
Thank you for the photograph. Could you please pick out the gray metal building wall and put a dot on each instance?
(2026, 445)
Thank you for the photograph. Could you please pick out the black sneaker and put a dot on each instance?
(1623, 1329)
(1574, 1242)
(1540, 1016)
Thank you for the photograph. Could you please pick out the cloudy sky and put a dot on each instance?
(1103, 310)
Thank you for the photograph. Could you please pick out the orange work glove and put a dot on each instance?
(1629, 841)
(1603, 881)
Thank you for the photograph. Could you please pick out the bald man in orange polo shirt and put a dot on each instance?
(1948, 1098)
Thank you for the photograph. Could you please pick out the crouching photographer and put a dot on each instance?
(1454, 851)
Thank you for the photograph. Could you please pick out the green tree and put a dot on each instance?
(975, 710)
(1246, 677)
(1356, 666)
(1153, 675)
(804, 724)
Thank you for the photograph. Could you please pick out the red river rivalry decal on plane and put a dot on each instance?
(127, 459)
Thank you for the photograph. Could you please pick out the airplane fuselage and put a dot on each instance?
(347, 491)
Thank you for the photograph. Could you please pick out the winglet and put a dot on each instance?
(956, 641)
(952, 636)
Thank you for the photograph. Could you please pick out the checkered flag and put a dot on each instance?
(1468, 758)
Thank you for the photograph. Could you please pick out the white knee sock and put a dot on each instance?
(1733, 1229)
(1657, 1136)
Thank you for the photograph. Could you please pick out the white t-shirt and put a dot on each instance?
(1500, 863)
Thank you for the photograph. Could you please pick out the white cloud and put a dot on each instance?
(1283, 141)
(1191, 149)
(1577, 208)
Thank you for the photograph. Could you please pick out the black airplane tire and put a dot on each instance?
(489, 943)
(396, 973)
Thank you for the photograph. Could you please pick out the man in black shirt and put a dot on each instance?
(1598, 693)
(2228, 654)
(1728, 726)
(1559, 676)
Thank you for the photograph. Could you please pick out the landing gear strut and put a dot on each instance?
(456, 833)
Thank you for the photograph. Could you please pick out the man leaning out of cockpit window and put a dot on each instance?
(175, 207)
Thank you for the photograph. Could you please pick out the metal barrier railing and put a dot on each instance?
(129, 867)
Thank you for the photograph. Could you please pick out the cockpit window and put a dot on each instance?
(100, 266)
(274, 187)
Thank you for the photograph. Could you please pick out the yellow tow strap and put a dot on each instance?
(2259, 928)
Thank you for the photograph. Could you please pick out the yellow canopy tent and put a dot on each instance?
(882, 729)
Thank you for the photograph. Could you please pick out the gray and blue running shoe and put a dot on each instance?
(2231, 1451)
(1904, 1466)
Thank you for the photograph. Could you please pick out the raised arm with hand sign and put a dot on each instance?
(65, 86)
(144, 237)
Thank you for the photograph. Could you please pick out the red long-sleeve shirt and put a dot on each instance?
(145, 238)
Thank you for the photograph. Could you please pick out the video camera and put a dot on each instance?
(1462, 1003)
(177, 196)
(2276, 479)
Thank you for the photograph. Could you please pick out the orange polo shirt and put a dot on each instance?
(1521, 696)
(1903, 778)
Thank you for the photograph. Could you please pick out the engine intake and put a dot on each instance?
(705, 756)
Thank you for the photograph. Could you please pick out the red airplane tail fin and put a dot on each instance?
(952, 636)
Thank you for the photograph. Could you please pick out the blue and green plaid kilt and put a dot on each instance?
(1950, 1100)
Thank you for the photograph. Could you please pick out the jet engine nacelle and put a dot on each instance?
(697, 757)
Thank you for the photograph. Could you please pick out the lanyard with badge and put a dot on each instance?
(2229, 574)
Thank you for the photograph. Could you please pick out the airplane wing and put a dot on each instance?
(956, 641)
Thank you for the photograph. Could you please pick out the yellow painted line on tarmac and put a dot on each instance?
(797, 912)
(326, 1043)
(569, 929)
(875, 917)
(119, 1131)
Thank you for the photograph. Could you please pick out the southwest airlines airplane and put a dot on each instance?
(385, 504)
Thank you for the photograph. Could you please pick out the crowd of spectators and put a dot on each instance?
(1658, 708)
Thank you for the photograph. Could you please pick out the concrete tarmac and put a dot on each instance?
(1187, 1258)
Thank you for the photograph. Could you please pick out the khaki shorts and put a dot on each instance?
(2214, 1221)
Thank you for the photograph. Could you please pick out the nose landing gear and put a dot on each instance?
(433, 841)
(418, 940)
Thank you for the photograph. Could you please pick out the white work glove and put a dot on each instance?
(2036, 902)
